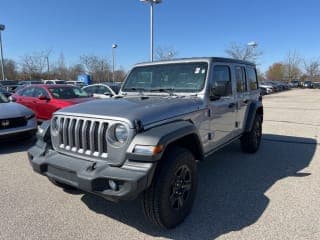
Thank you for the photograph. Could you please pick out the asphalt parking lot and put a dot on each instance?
(274, 194)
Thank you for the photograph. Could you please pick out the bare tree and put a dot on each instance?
(119, 75)
(10, 69)
(34, 65)
(243, 52)
(292, 66)
(97, 67)
(75, 70)
(60, 70)
(312, 68)
(165, 53)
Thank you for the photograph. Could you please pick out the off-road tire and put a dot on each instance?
(250, 141)
(175, 174)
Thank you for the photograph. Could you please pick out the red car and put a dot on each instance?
(46, 99)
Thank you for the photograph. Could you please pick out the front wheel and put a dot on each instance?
(170, 197)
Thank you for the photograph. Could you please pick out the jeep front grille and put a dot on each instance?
(81, 136)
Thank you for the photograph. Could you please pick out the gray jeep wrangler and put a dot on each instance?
(147, 141)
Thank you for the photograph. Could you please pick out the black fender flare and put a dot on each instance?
(162, 135)
(253, 108)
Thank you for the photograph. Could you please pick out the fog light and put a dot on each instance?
(113, 185)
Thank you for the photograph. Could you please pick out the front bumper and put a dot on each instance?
(92, 177)
(31, 127)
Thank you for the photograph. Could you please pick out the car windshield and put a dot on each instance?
(68, 92)
(180, 77)
(3, 99)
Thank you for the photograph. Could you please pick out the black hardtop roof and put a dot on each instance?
(212, 59)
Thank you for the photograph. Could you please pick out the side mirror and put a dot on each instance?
(220, 89)
(43, 97)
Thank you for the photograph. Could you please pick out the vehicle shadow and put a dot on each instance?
(16, 145)
(231, 190)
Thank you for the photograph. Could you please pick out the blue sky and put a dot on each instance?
(193, 28)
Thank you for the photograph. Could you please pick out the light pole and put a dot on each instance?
(252, 44)
(152, 3)
(114, 46)
(2, 27)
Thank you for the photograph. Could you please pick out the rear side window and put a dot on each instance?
(27, 92)
(241, 79)
(91, 90)
(252, 78)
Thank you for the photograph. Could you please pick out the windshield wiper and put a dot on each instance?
(170, 91)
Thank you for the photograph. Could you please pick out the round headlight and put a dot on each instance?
(117, 134)
(120, 133)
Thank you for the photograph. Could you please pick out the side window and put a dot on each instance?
(40, 92)
(222, 81)
(241, 79)
(103, 90)
(252, 78)
(90, 90)
(27, 92)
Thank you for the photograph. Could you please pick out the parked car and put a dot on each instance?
(115, 86)
(294, 83)
(100, 90)
(46, 99)
(54, 81)
(171, 115)
(77, 83)
(5, 92)
(15, 120)
(30, 82)
(316, 84)
(307, 84)
(23, 84)
(265, 89)
(276, 87)
(9, 85)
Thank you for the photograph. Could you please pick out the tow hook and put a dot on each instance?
(92, 166)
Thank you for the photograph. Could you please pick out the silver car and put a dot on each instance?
(15, 119)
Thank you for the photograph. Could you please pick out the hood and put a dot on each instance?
(13, 110)
(146, 109)
(76, 100)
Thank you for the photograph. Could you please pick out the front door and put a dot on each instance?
(223, 106)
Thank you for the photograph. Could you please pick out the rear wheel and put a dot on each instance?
(170, 198)
(250, 141)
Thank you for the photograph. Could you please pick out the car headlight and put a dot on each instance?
(118, 134)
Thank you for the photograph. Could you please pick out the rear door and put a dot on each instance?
(222, 110)
(242, 97)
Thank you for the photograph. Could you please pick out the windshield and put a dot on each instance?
(180, 77)
(3, 99)
(68, 92)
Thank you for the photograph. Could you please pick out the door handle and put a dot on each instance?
(231, 105)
